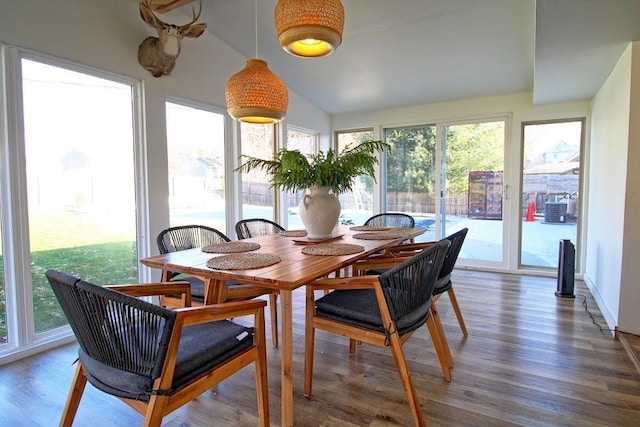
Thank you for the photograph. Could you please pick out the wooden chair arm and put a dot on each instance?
(358, 282)
(214, 312)
(153, 289)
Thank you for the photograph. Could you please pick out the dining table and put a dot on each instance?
(284, 262)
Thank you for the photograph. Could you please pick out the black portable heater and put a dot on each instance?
(566, 269)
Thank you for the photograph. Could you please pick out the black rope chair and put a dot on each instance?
(185, 237)
(153, 358)
(380, 310)
(255, 227)
(391, 219)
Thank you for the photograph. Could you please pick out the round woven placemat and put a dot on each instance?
(383, 235)
(242, 261)
(328, 249)
(369, 228)
(230, 247)
(293, 233)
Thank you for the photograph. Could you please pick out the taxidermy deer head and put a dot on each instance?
(158, 54)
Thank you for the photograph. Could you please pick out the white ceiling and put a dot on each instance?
(407, 52)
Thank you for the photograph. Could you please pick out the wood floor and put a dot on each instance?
(531, 359)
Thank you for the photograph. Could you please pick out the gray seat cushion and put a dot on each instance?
(360, 307)
(202, 347)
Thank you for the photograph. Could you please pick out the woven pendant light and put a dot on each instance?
(255, 94)
(309, 28)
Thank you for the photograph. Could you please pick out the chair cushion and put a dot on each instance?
(442, 284)
(201, 348)
(360, 307)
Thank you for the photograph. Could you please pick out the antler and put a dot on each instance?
(195, 18)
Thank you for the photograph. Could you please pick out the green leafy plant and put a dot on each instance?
(291, 170)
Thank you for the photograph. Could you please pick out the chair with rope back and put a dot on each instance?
(185, 237)
(380, 310)
(153, 358)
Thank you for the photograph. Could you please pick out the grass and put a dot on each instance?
(97, 247)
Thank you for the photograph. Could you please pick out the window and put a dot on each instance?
(551, 175)
(78, 133)
(195, 151)
(357, 205)
(307, 144)
(258, 198)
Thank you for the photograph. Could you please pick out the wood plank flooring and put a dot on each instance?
(531, 359)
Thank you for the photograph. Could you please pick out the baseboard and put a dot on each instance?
(612, 321)
(635, 358)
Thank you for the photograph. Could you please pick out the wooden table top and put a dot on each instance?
(294, 269)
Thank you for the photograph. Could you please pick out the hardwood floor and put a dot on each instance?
(531, 359)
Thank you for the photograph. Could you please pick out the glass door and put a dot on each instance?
(450, 176)
(471, 187)
(551, 176)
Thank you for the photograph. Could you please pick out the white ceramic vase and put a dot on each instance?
(319, 211)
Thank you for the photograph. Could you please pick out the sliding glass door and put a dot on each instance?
(450, 176)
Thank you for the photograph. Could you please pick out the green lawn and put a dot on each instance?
(98, 248)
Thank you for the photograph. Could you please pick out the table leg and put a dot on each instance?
(287, 358)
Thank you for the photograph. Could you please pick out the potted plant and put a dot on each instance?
(325, 175)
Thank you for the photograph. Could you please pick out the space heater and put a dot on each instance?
(566, 269)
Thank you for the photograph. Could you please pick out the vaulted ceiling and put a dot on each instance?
(407, 52)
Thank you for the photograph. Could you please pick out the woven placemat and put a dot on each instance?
(328, 249)
(384, 235)
(369, 228)
(230, 247)
(242, 261)
(293, 233)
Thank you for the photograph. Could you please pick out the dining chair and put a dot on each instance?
(183, 237)
(153, 358)
(379, 263)
(256, 227)
(380, 310)
(391, 219)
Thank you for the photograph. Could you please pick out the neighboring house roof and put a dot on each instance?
(556, 168)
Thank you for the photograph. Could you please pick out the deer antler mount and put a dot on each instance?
(158, 54)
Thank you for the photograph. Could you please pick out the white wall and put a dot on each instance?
(607, 187)
(105, 34)
(630, 289)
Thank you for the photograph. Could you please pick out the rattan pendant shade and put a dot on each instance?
(309, 28)
(256, 95)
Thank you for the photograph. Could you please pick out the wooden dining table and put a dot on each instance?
(293, 270)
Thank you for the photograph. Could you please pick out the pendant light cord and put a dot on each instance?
(256, 7)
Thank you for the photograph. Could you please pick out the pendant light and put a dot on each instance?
(255, 94)
(309, 28)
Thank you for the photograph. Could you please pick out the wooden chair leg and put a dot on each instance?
(456, 309)
(437, 344)
(443, 338)
(73, 399)
(405, 378)
(273, 309)
(155, 411)
(262, 384)
(309, 341)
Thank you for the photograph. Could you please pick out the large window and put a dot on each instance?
(307, 143)
(78, 133)
(357, 205)
(550, 190)
(258, 197)
(195, 150)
